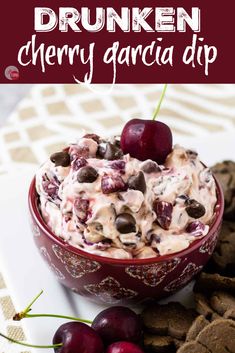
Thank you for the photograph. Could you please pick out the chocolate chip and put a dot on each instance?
(101, 150)
(120, 197)
(156, 238)
(117, 141)
(94, 137)
(183, 197)
(195, 209)
(137, 182)
(181, 200)
(106, 241)
(98, 227)
(60, 159)
(87, 174)
(112, 152)
(192, 154)
(125, 223)
(150, 167)
(130, 245)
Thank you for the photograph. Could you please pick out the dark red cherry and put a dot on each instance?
(163, 212)
(196, 228)
(124, 347)
(81, 209)
(79, 163)
(118, 323)
(147, 139)
(112, 183)
(50, 186)
(77, 337)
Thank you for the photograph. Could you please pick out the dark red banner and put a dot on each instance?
(117, 41)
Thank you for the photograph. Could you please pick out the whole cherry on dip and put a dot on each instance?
(147, 139)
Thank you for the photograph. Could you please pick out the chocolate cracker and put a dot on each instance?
(171, 319)
(198, 324)
(193, 347)
(178, 343)
(158, 344)
(222, 302)
(224, 254)
(230, 314)
(223, 259)
(208, 283)
(219, 336)
(202, 306)
(225, 173)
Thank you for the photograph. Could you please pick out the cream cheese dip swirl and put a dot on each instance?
(113, 205)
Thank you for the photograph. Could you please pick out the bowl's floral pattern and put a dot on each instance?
(187, 274)
(209, 245)
(53, 268)
(75, 265)
(152, 275)
(35, 229)
(113, 281)
(110, 291)
(131, 283)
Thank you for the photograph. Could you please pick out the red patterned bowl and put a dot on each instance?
(114, 281)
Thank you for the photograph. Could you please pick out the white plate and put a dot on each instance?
(23, 268)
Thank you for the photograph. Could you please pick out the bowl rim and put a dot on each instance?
(36, 215)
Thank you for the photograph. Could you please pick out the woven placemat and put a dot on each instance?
(52, 115)
(7, 326)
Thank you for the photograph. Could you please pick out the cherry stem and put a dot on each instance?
(156, 111)
(58, 316)
(22, 314)
(28, 344)
(25, 313)
(28, 308)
